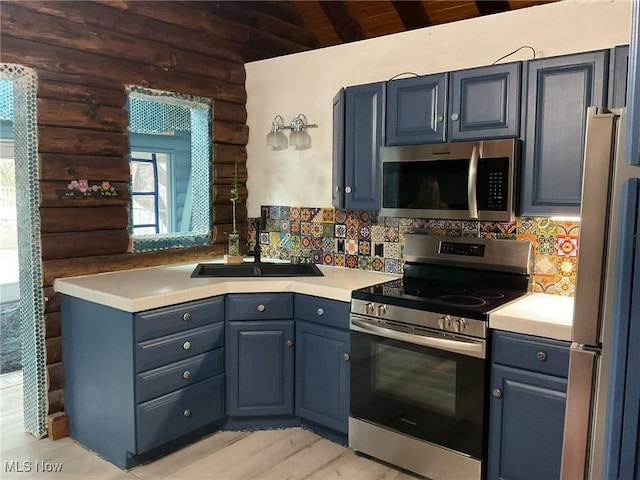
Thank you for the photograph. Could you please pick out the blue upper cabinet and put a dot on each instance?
(618, 70)
(559, 91)
(337, 182)
(363, 137)
(485, 102)
(417, 109)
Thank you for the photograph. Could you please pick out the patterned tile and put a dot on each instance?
(351, 261)
(351, 247)
(546, 226)
(328, 215)
(340, 245)
(305, 242)
(340, 216)
(294, 226)
(391, 233)
(284, 225)
(305, 228)
(377, 233)
(273, 225)
(328, 244)
(364, 231)
(391, 222)
(471, 226)
(305, 215)
(377, 264)
(390, 265)
(544, 265)
(284, 213)
(317, 256)
(317, 216)
(316, 243)
(566, 267)
(294, 214)
(328, 259)
(352, 232)
(364, 262)
(364, 247)
(353, 219)
(339, 260)
(546, 245)
(526, 225)
(378, 249)
(566, 246)
(317, 230)
(365, 217)
(544, 284)
(264, 238)
(274, 213)
(296, 242)
(284, 254)
(284, 240)
(564, 286)
(392, 250)
(568, 228)
(328, 229)
(340, 231)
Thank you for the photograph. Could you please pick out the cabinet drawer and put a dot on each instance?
(531, 353)
(168, 417)
(163, 321)
(321, 310)
(174, 376)
(181, 345)
(259, 306)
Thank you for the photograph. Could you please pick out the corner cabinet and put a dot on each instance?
(559, 91)
(138, 383)
(417, 109)
(356, 146)
(322, 361)
(527, 407)
(259, 354)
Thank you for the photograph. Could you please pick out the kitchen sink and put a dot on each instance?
(256, 270)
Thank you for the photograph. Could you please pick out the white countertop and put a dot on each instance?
(538, 314)
(147, 288)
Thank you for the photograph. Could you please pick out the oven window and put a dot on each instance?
(402, 374)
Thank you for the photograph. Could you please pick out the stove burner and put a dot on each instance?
(488, 294)
(463, 300)
(451, 289)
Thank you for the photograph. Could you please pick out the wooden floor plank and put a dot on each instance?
(285, 454)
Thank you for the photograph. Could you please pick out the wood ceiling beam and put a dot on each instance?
(347, 27)
(412, 14)
(487, 7)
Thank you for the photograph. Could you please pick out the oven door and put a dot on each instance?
(423, 383)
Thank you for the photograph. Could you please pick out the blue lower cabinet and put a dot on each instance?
(527, 407)
(322, 375)
(139, 384)
(259, 367)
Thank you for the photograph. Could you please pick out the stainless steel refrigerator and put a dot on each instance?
(598, 282)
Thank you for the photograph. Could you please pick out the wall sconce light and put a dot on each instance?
(299, 138)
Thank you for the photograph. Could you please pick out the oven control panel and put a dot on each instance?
(421, 318)
(467, 249)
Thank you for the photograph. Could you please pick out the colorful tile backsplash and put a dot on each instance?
(364, 240)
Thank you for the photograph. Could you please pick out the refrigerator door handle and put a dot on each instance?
(594, 212)
(583, 366)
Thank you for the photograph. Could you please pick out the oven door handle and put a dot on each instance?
(472, 183)
(465, 347)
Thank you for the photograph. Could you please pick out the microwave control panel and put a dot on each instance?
(493, 184)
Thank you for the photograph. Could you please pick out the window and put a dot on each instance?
(170, 159)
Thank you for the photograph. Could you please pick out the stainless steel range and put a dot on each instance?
(419, 354)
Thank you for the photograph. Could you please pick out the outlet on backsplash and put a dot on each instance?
(364, 240)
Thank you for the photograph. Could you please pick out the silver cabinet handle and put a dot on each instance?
(261, 308)
(320, 311)
(186, 317)
(541, 356)
(186, 374)
(187, 413)
(289, 343)
(455, 117)
(496, 393)
(346, 357)
(186, 345)
(347, 189)
(440, 118)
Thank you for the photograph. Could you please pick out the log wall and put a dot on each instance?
(85, 54)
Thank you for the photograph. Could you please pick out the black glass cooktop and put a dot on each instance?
(468, 294)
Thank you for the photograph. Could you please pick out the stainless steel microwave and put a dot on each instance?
(459, 181)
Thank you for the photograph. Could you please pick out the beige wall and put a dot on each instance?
(306, 82)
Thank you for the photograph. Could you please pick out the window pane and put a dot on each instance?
(142, 175)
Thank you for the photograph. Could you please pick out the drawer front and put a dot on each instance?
(321, 310)
(259, 306)
(531, 353)
(176, 318)
(179, 346)
(175, 376)
(168, 417)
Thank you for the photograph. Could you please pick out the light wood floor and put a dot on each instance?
(287, 454)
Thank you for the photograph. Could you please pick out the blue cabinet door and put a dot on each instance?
(259, 367)
(416, 110)
(618, 70)
(484, 102)
(322, 375)
(632, 139)
(526, 425)
(337, 192)
(364, 123)
(559, 90)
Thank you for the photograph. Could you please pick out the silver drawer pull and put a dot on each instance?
(346, 357)
(187, 413)
(186, 317)
(186, 374)
(320, 311)
(496, 393)
(541, 356)
(186, 345)
(289, 343)
(261, 308)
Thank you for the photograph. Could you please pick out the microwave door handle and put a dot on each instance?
(472, 182)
